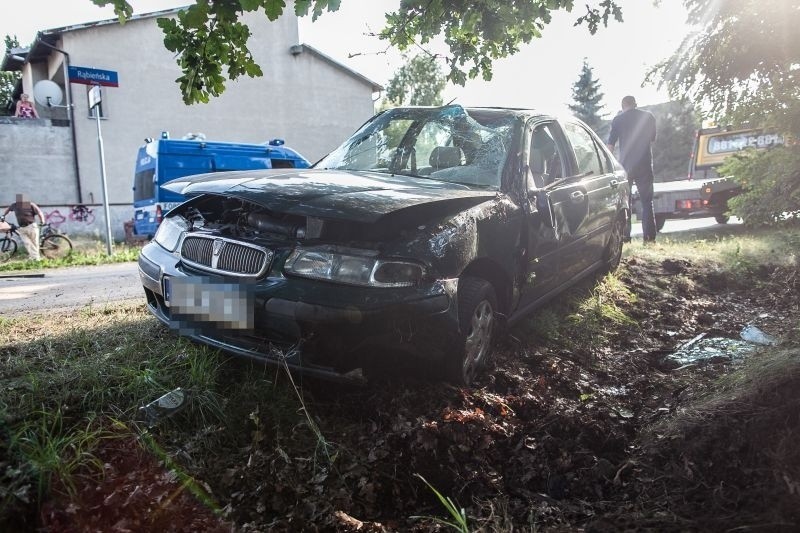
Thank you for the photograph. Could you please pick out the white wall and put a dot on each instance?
(312, 105)
(36, 159)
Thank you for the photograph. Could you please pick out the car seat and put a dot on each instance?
(445, 157)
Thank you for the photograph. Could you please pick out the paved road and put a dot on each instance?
(69, 288)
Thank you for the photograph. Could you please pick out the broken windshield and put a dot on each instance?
(446, 143)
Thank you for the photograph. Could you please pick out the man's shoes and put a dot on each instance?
(649, 241)
(626, 239)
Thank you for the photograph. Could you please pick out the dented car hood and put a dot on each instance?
(336, 194)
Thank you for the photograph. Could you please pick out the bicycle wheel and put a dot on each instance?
(56, 246)
(8, 247)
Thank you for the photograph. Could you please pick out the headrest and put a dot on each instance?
(445, 157)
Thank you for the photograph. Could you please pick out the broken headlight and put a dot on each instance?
(352, 269)
(169, 232)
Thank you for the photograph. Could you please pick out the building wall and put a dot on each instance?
(36, 159)
(310, 104)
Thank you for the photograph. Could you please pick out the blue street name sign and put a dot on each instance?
(93, 76)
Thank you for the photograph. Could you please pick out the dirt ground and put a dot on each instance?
(558, 435)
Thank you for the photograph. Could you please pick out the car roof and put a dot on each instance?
(491, 110)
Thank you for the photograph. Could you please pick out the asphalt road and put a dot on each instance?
(69, 288)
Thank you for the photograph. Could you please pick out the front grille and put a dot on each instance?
(231, 257)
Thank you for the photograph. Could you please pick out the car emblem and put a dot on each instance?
(217, 247)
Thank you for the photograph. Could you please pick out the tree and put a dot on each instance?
(208, 37)
(587, 96)
(743, 64)
(8, 80)
(420, 81)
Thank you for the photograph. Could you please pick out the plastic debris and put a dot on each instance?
(752, 334)
(703, 350)
(163, 407)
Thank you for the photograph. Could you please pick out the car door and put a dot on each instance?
(593, 199)
(546, 157)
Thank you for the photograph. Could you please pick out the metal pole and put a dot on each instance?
(103, 178)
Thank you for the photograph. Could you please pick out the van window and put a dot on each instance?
(282, 163)
(143, 186)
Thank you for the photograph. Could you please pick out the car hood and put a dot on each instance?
(345, 195)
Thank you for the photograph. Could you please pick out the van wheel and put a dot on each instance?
(660, 220)
(722, 219)
(477, 318)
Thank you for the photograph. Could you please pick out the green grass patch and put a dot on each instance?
(79, 257)
(60, 375)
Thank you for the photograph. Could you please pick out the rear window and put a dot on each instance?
(143, 186)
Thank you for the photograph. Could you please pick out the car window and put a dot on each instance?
(586, 153)
(432, 135)
(545, 160)
(446, 143)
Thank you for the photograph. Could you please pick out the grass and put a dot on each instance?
(84, 255)
(734, 247)
(60, 376)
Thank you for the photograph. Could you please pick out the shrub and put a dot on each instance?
(771, 185)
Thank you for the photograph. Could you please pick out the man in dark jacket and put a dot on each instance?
(636, 131)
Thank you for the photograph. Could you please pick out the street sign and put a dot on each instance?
(93, 76)
(95, 96)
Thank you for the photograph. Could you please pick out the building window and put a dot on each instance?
(102, 107)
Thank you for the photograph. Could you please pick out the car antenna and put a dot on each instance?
(451, 101)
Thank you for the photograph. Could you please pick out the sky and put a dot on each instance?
(540, 76)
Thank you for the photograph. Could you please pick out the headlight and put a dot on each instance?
(352, 269)
(169, 232)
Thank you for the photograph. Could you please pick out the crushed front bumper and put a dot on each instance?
(319, 328)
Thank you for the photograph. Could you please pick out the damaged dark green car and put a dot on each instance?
(417, 240)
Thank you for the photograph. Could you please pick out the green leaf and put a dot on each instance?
(274, 8)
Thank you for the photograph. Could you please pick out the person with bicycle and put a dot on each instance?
(26, 213)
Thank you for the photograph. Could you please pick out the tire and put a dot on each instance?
(477, 318)
(8, 247)
(613, 252)
(56, 247)
(722, 219)
(660, 220)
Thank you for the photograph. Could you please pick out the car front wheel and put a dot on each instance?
(477, 315)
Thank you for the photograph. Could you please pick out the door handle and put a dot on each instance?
(576, 197)
(613, 184)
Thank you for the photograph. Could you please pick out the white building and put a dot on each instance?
(304, 97)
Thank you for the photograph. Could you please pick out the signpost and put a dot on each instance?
(95, 98)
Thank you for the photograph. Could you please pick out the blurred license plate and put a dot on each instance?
(200, 299)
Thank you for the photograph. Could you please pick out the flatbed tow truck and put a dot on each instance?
(705, 193)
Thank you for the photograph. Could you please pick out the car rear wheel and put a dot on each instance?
(660, 220)
(613, 252)
(722, 219)
(477, 316)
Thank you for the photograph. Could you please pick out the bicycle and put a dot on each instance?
(52, 244)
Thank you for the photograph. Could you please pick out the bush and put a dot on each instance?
(770, 185)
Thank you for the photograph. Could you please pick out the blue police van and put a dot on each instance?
(162, 160)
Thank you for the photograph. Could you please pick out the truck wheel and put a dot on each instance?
(722, 219)
(477, 308)
(660, 220)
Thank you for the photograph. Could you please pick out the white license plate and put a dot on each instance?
(200, 299)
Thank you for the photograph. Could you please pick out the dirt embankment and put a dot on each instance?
(578, 426)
